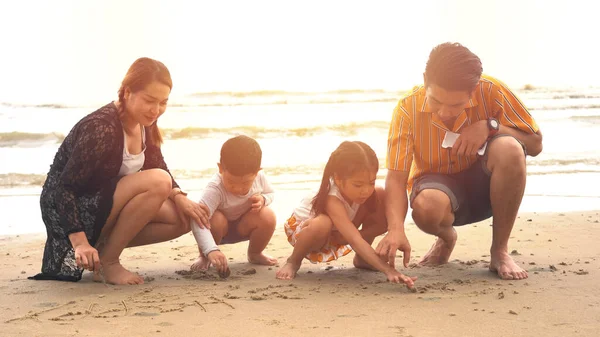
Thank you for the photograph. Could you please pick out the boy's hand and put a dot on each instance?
(218, 259)
(258, 202)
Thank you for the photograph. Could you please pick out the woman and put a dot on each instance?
(109, 187)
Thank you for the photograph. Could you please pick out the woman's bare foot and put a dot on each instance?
(115, 273)
(506, 267)
(262, 259)
(201, 264)
(288, 271)
(440, 251)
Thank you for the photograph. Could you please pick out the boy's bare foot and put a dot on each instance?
(440, 252)
(115, 273)
(260, 258)
(201, 264)
(362, 264)
(288, 271)
(506, 267)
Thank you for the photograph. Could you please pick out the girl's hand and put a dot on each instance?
(395, 276)
(188, 209)
(87, 257)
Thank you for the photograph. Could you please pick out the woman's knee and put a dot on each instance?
(160, 182)
(429, 209)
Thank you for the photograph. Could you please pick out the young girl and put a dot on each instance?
(325, 228)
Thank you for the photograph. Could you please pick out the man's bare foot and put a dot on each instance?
(262, 259)
(201, 264)
(288, 271)
(440, 252)
(115, 273)
(362, 264)
(506, 267)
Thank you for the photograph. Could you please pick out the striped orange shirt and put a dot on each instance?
(415, 136)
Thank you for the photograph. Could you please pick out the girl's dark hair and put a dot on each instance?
(349, 158)
(141, 73)
(453, 67)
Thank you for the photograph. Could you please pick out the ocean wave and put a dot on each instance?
(343, 96)
(15, 138)
(286, 175)
(348, 129)
(587, 119)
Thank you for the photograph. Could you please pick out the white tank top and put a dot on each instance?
(132, 163)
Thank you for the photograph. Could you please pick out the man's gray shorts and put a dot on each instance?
(468, 190)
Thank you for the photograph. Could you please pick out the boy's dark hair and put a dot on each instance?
(348, 159)
(241, 155)
(453, 67)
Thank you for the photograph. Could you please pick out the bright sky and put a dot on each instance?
(79, 51)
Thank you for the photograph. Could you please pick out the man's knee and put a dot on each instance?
(506, 153)
(430, 207)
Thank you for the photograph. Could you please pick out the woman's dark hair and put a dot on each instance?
(453, 67)
(349, 158)
(141, 73)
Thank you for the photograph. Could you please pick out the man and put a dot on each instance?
(454, 181)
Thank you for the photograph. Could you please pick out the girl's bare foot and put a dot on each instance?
(288, 271)
(201, 264)
(262, 259)
(115, 273)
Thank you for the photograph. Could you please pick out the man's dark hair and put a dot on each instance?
(241, 155)
(453, 67)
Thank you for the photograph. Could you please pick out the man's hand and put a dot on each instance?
(471, 139)
(391, 242)
(258, 202)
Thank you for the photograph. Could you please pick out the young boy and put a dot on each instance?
(237, 199)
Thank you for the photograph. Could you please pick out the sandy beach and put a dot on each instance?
(560, 298)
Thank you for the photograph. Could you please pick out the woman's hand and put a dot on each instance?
(86, 256)
(188, 209)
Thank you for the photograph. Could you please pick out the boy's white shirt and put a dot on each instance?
(216, 197)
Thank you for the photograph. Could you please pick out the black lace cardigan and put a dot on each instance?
(79, 188)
